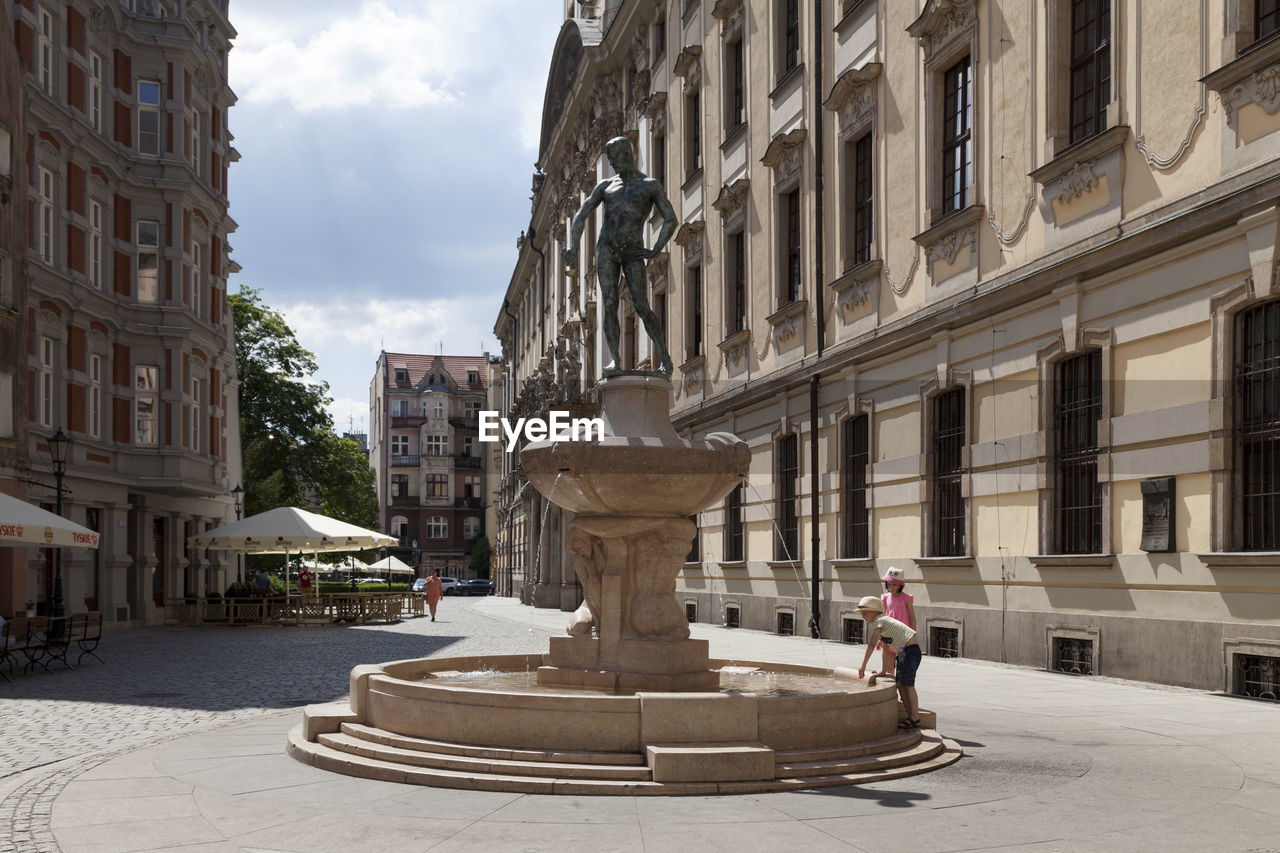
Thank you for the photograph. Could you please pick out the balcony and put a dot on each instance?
(468, 503)
(434, 460)
(404, 500)
(408, 420)
(464, 422)
(462, 460)
(405, 461)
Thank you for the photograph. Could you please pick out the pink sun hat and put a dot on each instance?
(894, 575)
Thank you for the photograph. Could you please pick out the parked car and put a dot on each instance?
(476, 586)
(449, 586)
(420, 585)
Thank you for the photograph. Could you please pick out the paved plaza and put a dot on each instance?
(177, 743)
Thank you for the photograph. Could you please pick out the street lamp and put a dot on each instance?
(59, 449)
(237, 494)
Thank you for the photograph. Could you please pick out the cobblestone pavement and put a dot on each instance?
(165, 680)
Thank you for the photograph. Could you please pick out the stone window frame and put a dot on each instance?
(1232, 646)
(854, 98)
(1239, 36)
(1075, 342)
(784, 610)
(947, 380)
(46, 392)
(948, 32)
(781, 70)
(96, 89)
(1073, 632)
(859, 407)
(47, 207)
(437, 527)
(788, 427)
(732, 204)
(785, 156)
(944, 622)
(46, 41)
(688, 66)
(1057, 94)
(726, 535)
(1260, 231)
(733, 32)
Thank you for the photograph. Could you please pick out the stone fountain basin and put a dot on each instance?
(621, 475)
(401, 697)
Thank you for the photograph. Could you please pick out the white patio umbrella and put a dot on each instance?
(391, 565)
(287, 530)
(24, 524)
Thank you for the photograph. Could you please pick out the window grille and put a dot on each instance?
(1090, 67)
(1073, 655)
(1077, 493)
(786, 623)
(738, 304)
(948, 469)
(944, 642)
(1257, 427)
(788, 516)
(691, 611)
(857, 525)
(1256, 676)
(851, 631)
(732, 616)
(734, 528)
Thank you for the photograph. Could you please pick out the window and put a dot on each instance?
(469, 445)
(95, 244)
(400, 528)
(437, 445)
(788, 467)
(660, 309)
(194, 422)
(148, 117)
(437, 485)
(195, 141)
(399, 408)
(660, 159)
(1090, 66)
(734, 527)
(858, 191)
(399, 445)
(148, 261)
(957, 153)
(95, 91)
(693, 134)
(473, 377)
(790, 41)
(735, 102)
(790, 278)
(736, 300)
(470, 528)
(857, 525)
(472, 409)
(693, 335)
(659, 38)
(44, 205)
(438, 527)
(786, 623)
(438, 411)
(1077, 494)
(6, 153)
(44, 400)
(45, 70)
(630, 350)
(399, 485)
(948, 469)
(197, 277)
(146, 386)
(95, 396)
(402, 374)
(1266, 18)
(1257, 427)
(6, 278)
(695, 545)
(471, 486)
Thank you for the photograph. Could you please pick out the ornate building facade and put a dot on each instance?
(127, 340)
(988, 287)
(424, 447)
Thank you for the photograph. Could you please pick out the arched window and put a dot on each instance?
(400, 527)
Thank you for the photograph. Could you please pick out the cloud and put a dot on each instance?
(397, 58)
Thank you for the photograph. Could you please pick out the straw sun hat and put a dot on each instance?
(870, 602)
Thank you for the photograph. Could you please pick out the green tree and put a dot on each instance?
(480, 555)
(290, 448)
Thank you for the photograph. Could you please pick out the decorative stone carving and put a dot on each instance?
(693, 371)
(785, 155)
(99, 20)
(689, 66)
(656, 111)
(950, 245)
(732, 203)
(658, 269)
(853, 97)
(788, 323)
(941, 21)
(735, 348)
(730, 14)
(689, 237)
(1077, 181)
(200, 79)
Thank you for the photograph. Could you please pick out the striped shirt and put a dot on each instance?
(896, 634)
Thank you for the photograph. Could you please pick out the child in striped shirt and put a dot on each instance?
(902, 638)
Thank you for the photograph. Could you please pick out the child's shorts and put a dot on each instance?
(904, 670)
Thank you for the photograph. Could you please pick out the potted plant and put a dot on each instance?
(30, 608)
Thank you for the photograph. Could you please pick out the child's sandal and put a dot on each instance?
(908, 724)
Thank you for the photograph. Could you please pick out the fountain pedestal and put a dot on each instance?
(633, 491)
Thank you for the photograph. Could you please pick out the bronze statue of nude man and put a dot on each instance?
(628, 198)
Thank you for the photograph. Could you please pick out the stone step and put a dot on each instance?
(926, 748)
(439, 747)
(487, 766)
(899, 740)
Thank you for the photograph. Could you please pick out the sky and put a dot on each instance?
(387, 149)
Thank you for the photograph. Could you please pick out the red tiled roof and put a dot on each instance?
(457, 365)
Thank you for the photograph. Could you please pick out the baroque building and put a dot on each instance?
(430, 465)
(127, 340)
(988, 287)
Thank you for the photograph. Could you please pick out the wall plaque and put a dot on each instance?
(1157, 515)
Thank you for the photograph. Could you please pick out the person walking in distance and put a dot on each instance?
(434, 590)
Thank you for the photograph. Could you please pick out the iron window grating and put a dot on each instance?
(852, 630)
(948, 469)
(732, 616)
(734, 526)
(1073, 655)
(786, 623)
(1256, 676)
(944, 642)
(1077, 493)
(857, 525)
(788, 514)
(1257, 427)
(691, 611)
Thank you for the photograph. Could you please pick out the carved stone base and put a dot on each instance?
(678, 665)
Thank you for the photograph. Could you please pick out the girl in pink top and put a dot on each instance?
(897, 605)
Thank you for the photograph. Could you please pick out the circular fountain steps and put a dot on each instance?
(364, 751)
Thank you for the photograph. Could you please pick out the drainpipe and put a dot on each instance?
(542, 276)
(819, 294)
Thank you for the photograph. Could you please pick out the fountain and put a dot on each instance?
(626, 702)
